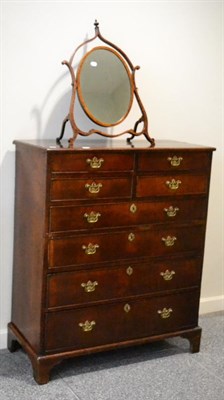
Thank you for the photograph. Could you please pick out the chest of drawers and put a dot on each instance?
(108, 247)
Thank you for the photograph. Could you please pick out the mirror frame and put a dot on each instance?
(71, 117)
(80, 94)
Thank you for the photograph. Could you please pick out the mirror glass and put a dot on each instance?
(104, 86)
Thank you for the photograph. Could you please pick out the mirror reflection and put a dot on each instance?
(104, 86)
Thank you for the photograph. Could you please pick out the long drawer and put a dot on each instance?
(97, 284)
(93, 248)
(111, 323)
(71, 218)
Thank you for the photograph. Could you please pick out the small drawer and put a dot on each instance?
(72, 218)
(92, 161)
(117, 322)
(90, 188)
(174, 160)
(95, 248)
(72, 288)
(173, 185)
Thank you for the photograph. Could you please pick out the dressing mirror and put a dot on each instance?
(104, 85)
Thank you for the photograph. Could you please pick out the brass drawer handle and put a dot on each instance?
(87, 326)
(93, 187)
(131, 237)
(173, 184)
(169, 240)
(89, 286)
(133, 208)
(129, 271)
(95, 162)
(171, 211)
(175, 161)
(165, 312)
(92, 217)
(90, 249)
(127, 308)
(167, 275)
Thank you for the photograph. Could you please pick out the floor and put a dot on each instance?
(163, 371)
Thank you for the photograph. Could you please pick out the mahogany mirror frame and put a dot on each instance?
(131, 74)
(80, 91)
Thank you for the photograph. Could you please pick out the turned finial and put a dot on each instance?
(96, 24)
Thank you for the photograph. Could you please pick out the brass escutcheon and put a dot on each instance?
(93, 187)
(165, 312)
(169, 240)
(131, 237)
(127, 308)
(87, 326)
(129, 271)
(175, 161)
(90, 248)
(173, 184)
(171, 211)
(133, 208)
(92, 217)
(89, 286)
(95, 162)
(167, 275)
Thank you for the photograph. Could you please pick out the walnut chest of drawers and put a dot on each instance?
(108, 247)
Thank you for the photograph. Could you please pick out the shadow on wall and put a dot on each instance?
(7, 225)
(52, 128)
(60, 110)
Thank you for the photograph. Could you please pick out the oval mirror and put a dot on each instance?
(104, 86)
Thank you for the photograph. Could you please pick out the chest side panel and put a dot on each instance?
(28, 281)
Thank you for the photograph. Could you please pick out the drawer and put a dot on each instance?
(117, 322)
(94, 248)
(91, 161)
(174, 185)
(174, 160)
(90, 188)
(71, 218)
(77, 287)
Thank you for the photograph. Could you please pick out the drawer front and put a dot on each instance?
(173, 185)
(112, 323)
(174, 160)
(70, 288)
(88, 249)
(93, 162)
(71, 218)
(91, 188)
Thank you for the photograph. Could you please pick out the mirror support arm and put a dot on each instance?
(58, 139)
